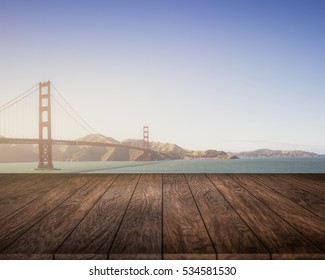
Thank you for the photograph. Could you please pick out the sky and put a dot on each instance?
(226, 75)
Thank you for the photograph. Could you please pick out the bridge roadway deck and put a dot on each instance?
(35, 141)
(162, 216)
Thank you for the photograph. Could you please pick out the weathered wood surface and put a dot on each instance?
(12, 184)
(94, 236)
(7, 178)
(278, 236)
(231, 236)
(184, 233)
(140, 234)
(28, 192)
(162, 216)
(305, 199)
(318, 180)
(315, 186)
(46, 236)
(305, 222)
(19, 222)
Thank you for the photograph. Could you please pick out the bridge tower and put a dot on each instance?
(45, 133)
(146, 155)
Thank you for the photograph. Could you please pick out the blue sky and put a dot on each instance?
(230, 75)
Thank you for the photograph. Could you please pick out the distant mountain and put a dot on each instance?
(91, 153)
(18, 153)
(209, 154)
(169, 151)
(28, 153)
(276, 153)
(97, 138)
(173, 151)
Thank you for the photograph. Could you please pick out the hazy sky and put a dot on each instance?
(230, 75)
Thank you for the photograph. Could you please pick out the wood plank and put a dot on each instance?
(318, 179)
(140, 234)
(304, 221)
(26, 257)
(29, 192)
(73, 224)
(93, 237)
(231, 237)
(13, 183)
(14, 225)
(313, 175)
(4, 178)
(304, 184)
(277, 235)
(297, 195)
(298, 256)
(46, 236)
(184, 234)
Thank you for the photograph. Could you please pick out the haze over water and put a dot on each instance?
(243, 165)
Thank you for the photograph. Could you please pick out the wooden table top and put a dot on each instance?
(162, 216)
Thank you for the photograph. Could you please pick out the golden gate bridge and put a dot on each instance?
(15, 116)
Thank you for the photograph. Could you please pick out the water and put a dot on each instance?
(243, 165)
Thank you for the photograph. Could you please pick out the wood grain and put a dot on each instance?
(231, 237)
(14, 225)
(26, 256)
(93, 237)
(140, 234)
(28, 193)
(46, 236)
(298, 256)
(170, 216)
(306, 185)
(5, 177)
(184, 234)
(305, 222)
(278, 236)
(303, 198)
(318, 179)
(15, 182)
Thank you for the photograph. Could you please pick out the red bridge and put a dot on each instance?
(45, 141)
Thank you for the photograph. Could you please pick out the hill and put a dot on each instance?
(173, 151)
(276, 153)
(18, 153)
(84, 153)
(29, 153)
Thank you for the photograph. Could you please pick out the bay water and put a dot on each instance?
(242, 165)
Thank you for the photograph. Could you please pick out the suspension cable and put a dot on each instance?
(92, 130)
(20, 97)
(57, 102)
